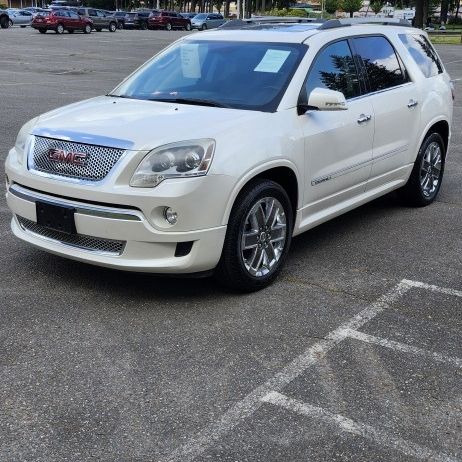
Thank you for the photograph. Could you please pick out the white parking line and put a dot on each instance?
(254, 400)
(357, 428)
(403, 347)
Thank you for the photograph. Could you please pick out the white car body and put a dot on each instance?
(338, 164)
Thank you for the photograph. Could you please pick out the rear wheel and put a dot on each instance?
(112, 27)
(42, 31)
(143, 26)
(120, 25)
(204, 27)
(427, 174)
(257, 239)
(188, 26)
(4, 22)
(60, 29)
(87, 29)
(168, 26)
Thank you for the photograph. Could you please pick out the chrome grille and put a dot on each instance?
(94, 244)
(99, 162)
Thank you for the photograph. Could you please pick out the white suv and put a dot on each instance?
(218, 150)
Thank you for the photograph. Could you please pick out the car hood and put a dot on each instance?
(140, 125)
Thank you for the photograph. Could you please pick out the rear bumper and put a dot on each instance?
(142, 247)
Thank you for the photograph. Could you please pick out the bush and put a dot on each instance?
(2, 6)
(455, 21)
(287, 12)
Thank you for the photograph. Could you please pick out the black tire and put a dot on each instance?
(168, 26)
(231, 270)
(120, 25)
(10, 23)
(42, 31)
(112, 27)
(188, 27)
(4, 22)
(204, 27)
(87, 29)
(143, 26)
(59, 29)
(417, 192)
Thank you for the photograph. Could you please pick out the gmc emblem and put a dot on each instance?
(74, 158)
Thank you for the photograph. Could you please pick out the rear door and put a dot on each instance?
(395, 99)
(74, 20)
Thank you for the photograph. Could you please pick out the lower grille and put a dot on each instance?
(81, 241)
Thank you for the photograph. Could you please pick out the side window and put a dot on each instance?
(334, 68)
(73, 15)
(422, 53)
(380, 62)
(81, 12)
(91, 12)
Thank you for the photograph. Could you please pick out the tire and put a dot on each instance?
(204, 27)
(268, 237)
(143, 26)
(59, 29)
(42, 31)
(427, 174)
(187, 27)
(112, 27)
(168, 26)
(4, 22)
(87, 29)
(120, 25)
(10, 23)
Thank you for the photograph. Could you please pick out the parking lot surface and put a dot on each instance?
(354, 354)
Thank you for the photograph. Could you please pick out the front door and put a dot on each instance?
(338, 144)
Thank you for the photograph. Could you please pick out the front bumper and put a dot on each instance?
(142, 248)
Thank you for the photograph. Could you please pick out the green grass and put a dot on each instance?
(446, 39)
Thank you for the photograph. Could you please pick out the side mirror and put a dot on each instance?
(323, 99)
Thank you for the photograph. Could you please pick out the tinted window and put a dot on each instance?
(92, 12)
(380, 62)
(423, 54)
(334, 68)
(81, 12)
(74, 15)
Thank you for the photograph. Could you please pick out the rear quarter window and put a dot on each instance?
(422, 53)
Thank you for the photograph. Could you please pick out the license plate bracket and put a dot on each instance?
(56, 217)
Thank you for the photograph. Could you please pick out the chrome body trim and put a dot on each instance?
(84, 138)
(80, 208)
(357, 166)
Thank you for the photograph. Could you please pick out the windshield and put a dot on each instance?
(238, 75)
(200, 16)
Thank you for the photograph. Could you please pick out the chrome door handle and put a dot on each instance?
(364, 118)
(412, 103)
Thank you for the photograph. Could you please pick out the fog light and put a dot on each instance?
(170, 215)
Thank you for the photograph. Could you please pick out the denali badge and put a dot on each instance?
(75, 158)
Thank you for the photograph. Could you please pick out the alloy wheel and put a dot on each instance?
(430, 169)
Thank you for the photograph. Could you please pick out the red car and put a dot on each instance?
(61, 20)
(168, 20)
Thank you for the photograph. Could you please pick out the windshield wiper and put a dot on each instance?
(118, 96)
(195, 101)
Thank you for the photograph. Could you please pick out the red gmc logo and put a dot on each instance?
(75, 158)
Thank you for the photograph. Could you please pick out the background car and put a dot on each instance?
(21, 18)
(61, 20)
(120, 18)
(101, 19)
(203, 21)
(137, 20)
(168, 20)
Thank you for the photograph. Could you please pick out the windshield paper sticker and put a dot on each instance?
(272, 61)
(190, 64)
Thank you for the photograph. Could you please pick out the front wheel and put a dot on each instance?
(257, 239)
(168, 26)
(427, 174)
(143, 26)
(204, 27)
(60, 29)
(112, 27)
(188, 26)
(87, 29)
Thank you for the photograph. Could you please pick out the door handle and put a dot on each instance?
(412, 103)
(363, 118)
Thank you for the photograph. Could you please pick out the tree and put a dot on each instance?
(351, 6)
(376, 6)
(331, 6)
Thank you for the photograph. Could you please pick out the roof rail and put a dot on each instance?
(334, 23)
(260, 20)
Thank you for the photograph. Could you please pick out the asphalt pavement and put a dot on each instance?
(354, 354)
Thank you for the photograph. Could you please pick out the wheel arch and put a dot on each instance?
(440, 126)
(283, 173)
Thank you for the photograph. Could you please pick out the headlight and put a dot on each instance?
(23, 136)
(185, 159)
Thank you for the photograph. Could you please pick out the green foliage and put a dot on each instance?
(376, 6)
(287, 12)
(331, 6)
(2, 6)
(351, 6)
